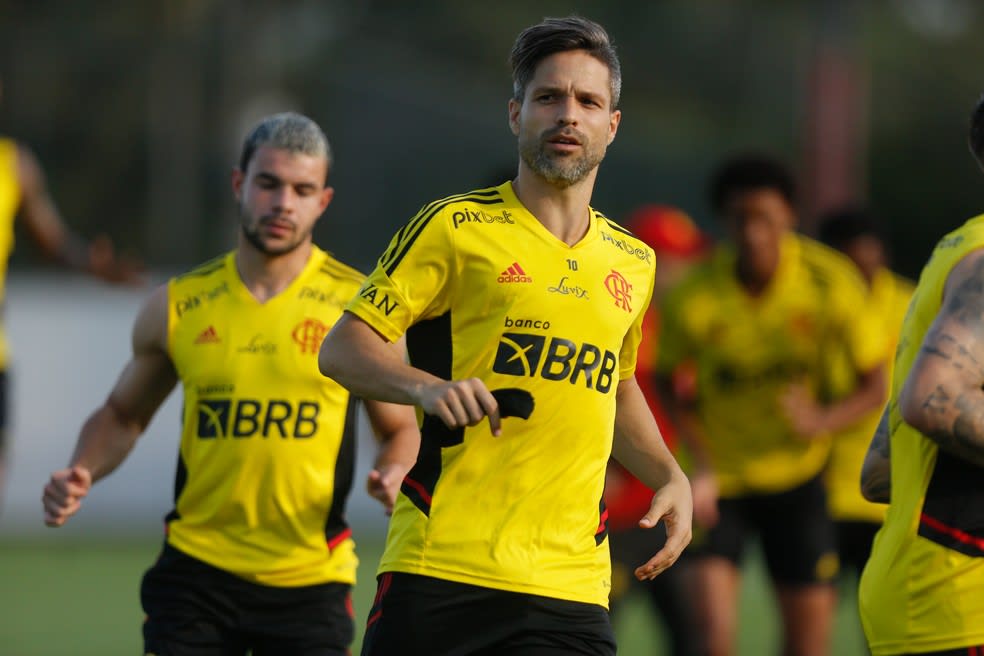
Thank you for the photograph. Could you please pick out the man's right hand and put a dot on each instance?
(461, 403)
(64, 493)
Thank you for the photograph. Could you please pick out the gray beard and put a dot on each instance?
(559, 173)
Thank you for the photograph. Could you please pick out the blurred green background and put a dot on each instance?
(81, 598)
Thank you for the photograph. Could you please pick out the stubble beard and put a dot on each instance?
(558, 170)
(252, 235)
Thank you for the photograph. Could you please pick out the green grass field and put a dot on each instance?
(81, 599)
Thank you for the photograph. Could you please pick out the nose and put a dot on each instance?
(283, 199)
(567, 111)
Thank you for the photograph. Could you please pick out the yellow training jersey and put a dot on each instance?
(921, 590)
(748, 351)
(484, 290)
(884, 308)
(267, 450)
(10, 198)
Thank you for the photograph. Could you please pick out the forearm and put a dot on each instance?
(104, 442)
(869, 397)
(876, 472)
(358, 358)
(638, 445)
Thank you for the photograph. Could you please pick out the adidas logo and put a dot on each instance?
(514, 273)
(208, 336)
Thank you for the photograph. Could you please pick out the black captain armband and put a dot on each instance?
(514, 402)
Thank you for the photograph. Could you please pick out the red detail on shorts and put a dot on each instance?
(601, 524)
(954, 533)
(421, 490)
(338, 539)
(348, 606)
(384, 585)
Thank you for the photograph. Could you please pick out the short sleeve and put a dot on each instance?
(865, 341)
(413, 279)
(629, 353)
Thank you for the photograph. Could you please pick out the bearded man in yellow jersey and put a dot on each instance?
(258, 557)
(497, 543)
(856, 232)
(24, 195)
(762, 320)
(922, 591)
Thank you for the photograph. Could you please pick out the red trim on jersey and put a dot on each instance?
(955, 533)
(421, 490)
(338, 539)
(601, 524)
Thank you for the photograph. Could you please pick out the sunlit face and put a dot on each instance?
(757, 220)
(281, 195)
(565, 121)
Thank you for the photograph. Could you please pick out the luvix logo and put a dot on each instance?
(620, 289)
(514, 273)
(523, 354)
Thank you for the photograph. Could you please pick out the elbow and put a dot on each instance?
(326, 359)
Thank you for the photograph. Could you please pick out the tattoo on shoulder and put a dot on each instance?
(881, 442)
(966, 304)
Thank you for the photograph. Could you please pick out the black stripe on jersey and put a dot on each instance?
(614, 226)
(602, 531)
(336, 526)
(952, 512)
(204, 269)
(180, 478)
(429, 348)
(395, 255)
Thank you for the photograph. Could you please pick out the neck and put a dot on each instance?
(265, 275)
(752, 281)
(564, 212)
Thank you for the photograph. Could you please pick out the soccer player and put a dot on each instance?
(24, 195)
(523, 300)
(856, 233)
(678, 244)
(762, 320)
(257, 554)
(921, 589)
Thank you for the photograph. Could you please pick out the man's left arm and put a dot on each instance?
(395, 427)
(639, 447)
(876, 472)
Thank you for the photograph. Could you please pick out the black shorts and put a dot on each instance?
(415, 614)
(960, 651)
(854, 540)
(195, 609)
(797, 534)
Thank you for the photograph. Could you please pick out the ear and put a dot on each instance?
(327, 194)
(237, 182)
(613, 122)
(514, 109)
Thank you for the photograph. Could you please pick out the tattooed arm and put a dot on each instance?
(876, 472)
(943, 396)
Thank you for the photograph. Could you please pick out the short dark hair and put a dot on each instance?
(976, 136)
(839, 227)
(749, 172)
(553, 35)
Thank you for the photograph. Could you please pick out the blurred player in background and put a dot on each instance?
(678, 244)
(257, 555)
(857, 234)
(760, 319)
(24, 198)
(921, 591)
(498, 541)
